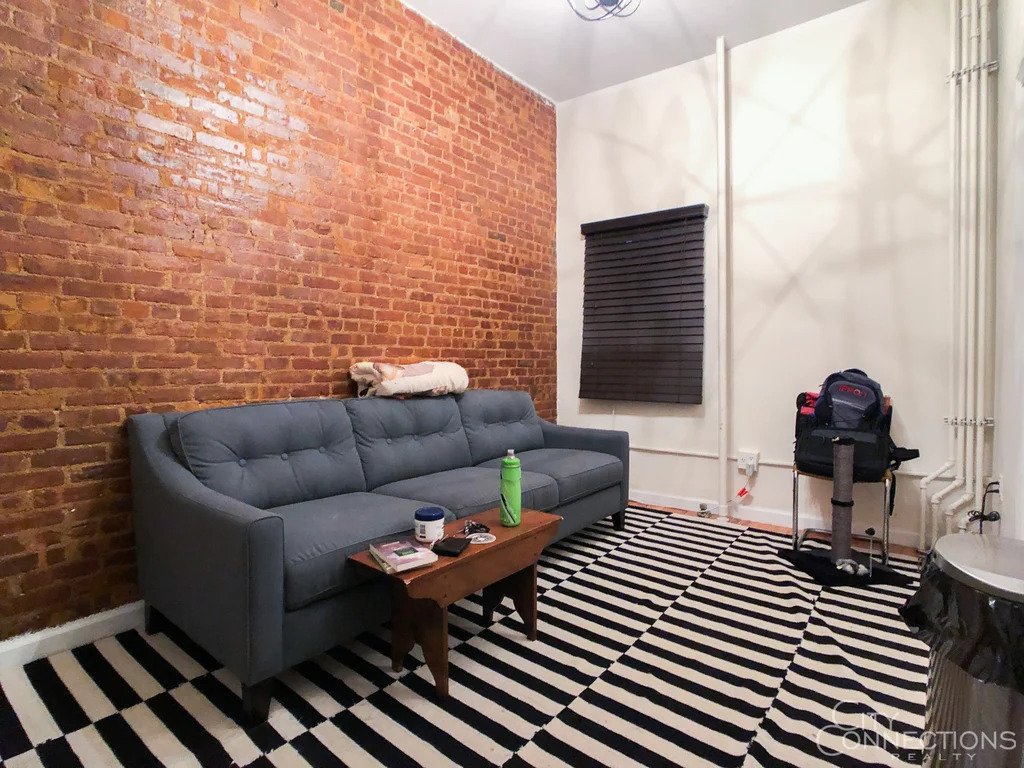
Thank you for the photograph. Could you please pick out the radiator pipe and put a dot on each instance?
(970, 261)
(927, 511)
(985, 174)
(959, 40)
(724, 262)
(924, 517)
(979, 70)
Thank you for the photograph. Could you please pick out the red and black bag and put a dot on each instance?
(850, 404)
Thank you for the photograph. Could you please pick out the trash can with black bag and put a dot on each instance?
(969, 609)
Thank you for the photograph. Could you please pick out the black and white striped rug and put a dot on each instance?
(680, 641)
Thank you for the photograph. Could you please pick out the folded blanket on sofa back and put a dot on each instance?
(429, 377)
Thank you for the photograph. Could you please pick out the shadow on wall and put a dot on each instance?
(847, 171)
(868, 156)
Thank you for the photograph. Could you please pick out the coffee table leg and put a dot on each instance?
(491, 598)
(523, 590)
(521, 586)
(431, 627)
(424, 622)
(402, 631)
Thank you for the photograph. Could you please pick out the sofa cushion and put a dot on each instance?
(398, 439)
(270, 454)
(577, 473)
(319, 536)
(498, 420)
(469, 490)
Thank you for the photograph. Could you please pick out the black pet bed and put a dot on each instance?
(819, 566)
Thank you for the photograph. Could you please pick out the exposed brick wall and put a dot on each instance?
(215, 201)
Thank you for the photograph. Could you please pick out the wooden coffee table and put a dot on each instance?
(505, 568)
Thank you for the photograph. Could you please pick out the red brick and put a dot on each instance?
(12, 566)
(65, 379)
(236, 210)
(171, 128)
(29, 480)
(95, 290)
(164, 362)
(134, 276)
(13, 341)
(94, 436)
(28, 360)
(101, 199)
(96, 218)
(82, 417)
(39, 420)
(27, 441)
(221, 143)
(63, 457)
(162, 296)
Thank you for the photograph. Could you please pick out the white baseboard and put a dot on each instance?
(22, 649)
(769, 515)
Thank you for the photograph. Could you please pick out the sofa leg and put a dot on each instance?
(619, 520)
(256, 702)
(155, 621)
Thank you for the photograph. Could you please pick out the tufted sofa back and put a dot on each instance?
(498, 420)
(271, 454)
(399, 439)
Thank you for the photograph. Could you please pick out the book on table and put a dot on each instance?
(403, 555)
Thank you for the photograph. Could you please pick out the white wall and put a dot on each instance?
(1009, 451)
(840, 215)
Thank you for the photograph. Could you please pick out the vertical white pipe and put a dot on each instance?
(961, 43)
(970, 260)
(927, 514)
(984, 256)
(955, 197)
(972, 251)
(724, 261)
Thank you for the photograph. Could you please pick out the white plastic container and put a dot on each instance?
(429, 524)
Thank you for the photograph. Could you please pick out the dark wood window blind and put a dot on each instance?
(643, 307)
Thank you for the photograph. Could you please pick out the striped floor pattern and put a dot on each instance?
(678, 642)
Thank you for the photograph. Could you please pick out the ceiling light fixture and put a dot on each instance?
(596, 10)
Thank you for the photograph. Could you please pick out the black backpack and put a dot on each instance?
(850, 400)
(850, 404)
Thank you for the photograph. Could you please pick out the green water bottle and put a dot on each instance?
(511, 490)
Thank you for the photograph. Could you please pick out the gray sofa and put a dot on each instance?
(245, 516)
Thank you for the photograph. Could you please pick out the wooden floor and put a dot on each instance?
(895, 549)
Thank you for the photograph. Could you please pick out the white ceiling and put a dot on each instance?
(543, 44)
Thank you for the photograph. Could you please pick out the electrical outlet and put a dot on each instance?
(747, 461)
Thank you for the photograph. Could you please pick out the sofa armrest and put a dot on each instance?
(213, 565)
(609, 441)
